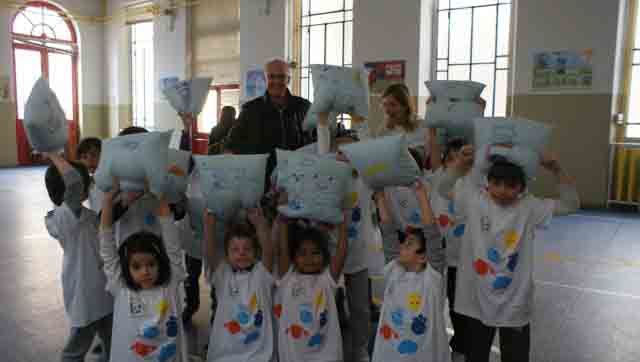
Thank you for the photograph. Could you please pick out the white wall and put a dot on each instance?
(565, 25)
(262, 35)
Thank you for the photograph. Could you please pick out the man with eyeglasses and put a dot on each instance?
(271, 121)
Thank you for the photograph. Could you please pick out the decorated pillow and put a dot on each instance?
(186, 96)
(340, 90)
(44, 120)
(520, 141)
(383, 162)
(134, 158)
(231, 182)
(454, 106)
(316, 186)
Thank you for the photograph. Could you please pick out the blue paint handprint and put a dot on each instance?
(306, 316)
(167, 352)
(419, 325)
(458, 231)
(258, 319)
(172, 326)
(501, 282)
(407, 347)
(252, 337)
(356, 215)
(513, 262)
(397, 317)
(323, 319)
(315, 341)
(494, 255)
(242, 315)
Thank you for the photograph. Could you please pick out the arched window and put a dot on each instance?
(45, 44)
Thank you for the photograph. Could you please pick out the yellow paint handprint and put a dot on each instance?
(414, 302)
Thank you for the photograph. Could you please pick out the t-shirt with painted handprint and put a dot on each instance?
(243, 328)
(412, 325)
(451, 227)
(495, 272)
(308, 318)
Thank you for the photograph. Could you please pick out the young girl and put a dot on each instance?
(144, 275)
(412, 326)
(243, 326)
(308, 329)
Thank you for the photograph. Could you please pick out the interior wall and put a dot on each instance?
(92, 101)
(581, 118)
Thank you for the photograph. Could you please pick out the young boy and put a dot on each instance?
(88, 305)
(88, 153)
(495, 274)
(452, 230)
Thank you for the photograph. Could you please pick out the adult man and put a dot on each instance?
(271, 121)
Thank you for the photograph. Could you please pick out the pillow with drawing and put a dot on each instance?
(311, 121)
(133, 159)
(231, 182)
(178, 171)
(383, 162)
(316, 186)
(44, 120)
(453, 106)
(340, 90)
(186, 96)
(520, 141)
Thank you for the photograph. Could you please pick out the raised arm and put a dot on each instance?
(337, 262)
(209, 226)
(256, 217)
(283, 235)
(73, 184)
(170, 233)
(435, 149)
(461, 166)
(324, 134)
(569, 200)
(108, 251)
(390, 239)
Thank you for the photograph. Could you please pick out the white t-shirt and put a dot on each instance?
(308, 327)
(444, 210)
(243, 327)
(412, 325)
(495, 273)
(83, 281)
(140, 216)
(360, 232)
(95, 198)
(146, 323)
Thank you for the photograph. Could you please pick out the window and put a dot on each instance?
(142, 85)
(326, 34)
(473, 44)
(632, 127)
(44, 45)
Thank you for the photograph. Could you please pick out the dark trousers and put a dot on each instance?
(514, 342)
(458, 342)
(192, 286)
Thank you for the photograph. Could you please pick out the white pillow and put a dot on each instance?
(44, 120)
(231, 182)
(311, 121)
(453, 106)
(187, 96)
(520, 141)
(383, 162)
(134, 158)
(316, 186)
(178, 170)
(340, 90)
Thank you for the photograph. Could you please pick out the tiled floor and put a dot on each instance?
(587, 300)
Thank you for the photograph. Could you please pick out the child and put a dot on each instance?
(243, 327)
(452, 230)
(88, 153)
(495, 274)
(412, 326)
(360, 234)
(144, 275)
(88, 306)
(308, 327)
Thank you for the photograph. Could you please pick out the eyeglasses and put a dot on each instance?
(277, 76)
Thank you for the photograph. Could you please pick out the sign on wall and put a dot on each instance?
(383, 74)
(562, 70)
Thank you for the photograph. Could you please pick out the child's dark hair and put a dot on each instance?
(132, 130)
(298, 234)
(55, 182)
(453, 145)
(402, 237)
(417, 156)
(241, 230)
(149, 243)
(507, 172)
(89, 145)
